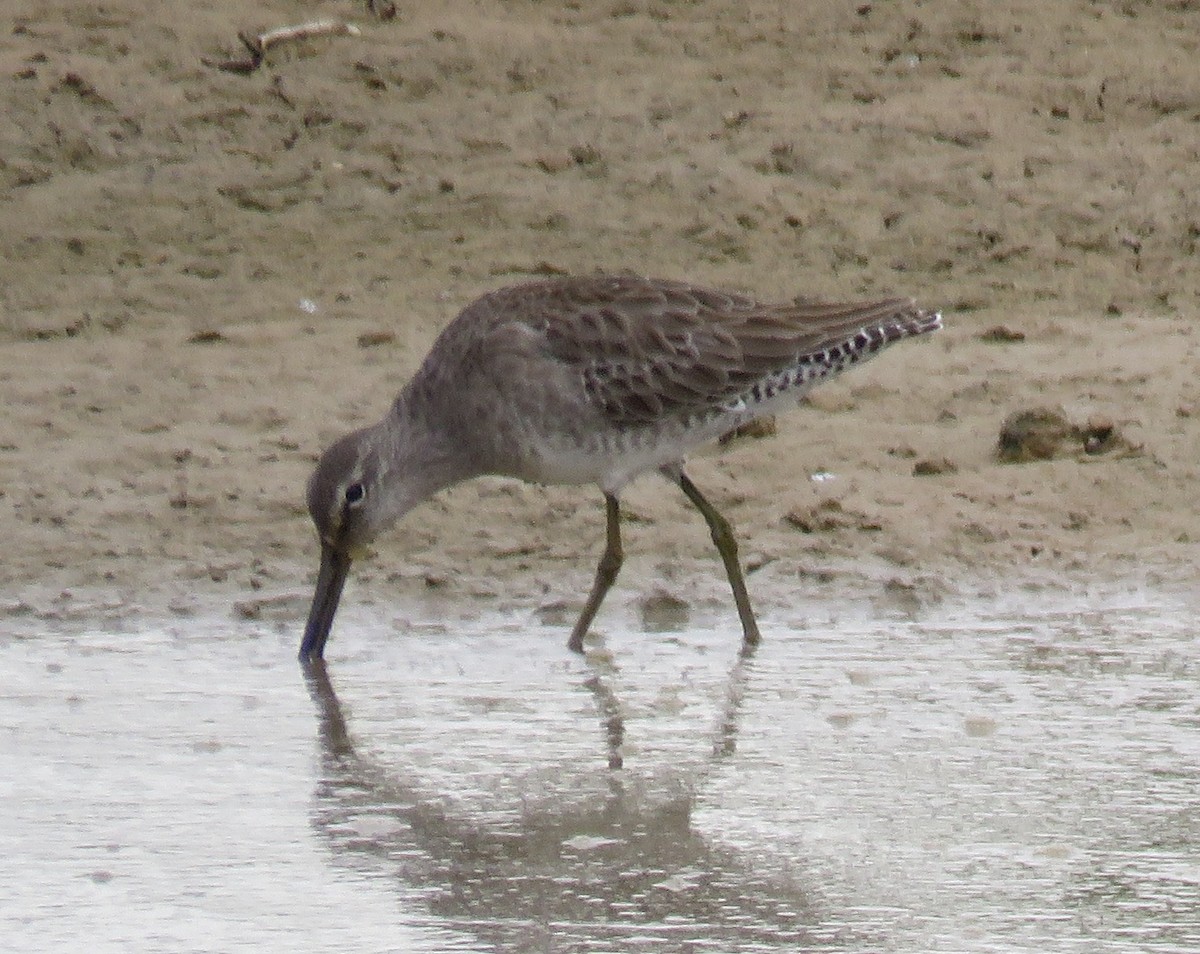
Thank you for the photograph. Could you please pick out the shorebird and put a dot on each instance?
(585, 380)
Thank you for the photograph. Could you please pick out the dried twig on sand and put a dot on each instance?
(259, 45)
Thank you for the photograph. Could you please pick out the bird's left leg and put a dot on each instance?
(606, 572)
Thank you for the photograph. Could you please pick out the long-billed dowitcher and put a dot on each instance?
(585, 380)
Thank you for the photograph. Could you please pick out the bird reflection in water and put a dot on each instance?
(619, 872)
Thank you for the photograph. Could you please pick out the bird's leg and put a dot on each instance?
(606, 573)
(722, 535)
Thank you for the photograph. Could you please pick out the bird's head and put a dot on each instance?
(362, 485)
(345, 502)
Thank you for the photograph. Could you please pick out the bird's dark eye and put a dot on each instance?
(355, 493)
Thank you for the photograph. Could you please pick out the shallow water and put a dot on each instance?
(962, 779)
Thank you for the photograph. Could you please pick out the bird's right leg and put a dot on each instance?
(722, 536)
(606, 573)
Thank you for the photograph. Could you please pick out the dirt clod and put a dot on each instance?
(1046, 433)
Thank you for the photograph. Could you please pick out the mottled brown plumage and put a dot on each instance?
(585, 380)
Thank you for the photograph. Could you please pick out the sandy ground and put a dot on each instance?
(207, 276)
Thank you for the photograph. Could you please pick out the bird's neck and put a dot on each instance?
(423, 454)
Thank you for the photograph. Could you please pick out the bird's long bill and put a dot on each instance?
(335, 565)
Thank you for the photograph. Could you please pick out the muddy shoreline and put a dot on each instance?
(208, 276)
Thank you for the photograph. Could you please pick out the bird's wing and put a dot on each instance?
(648, 349)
